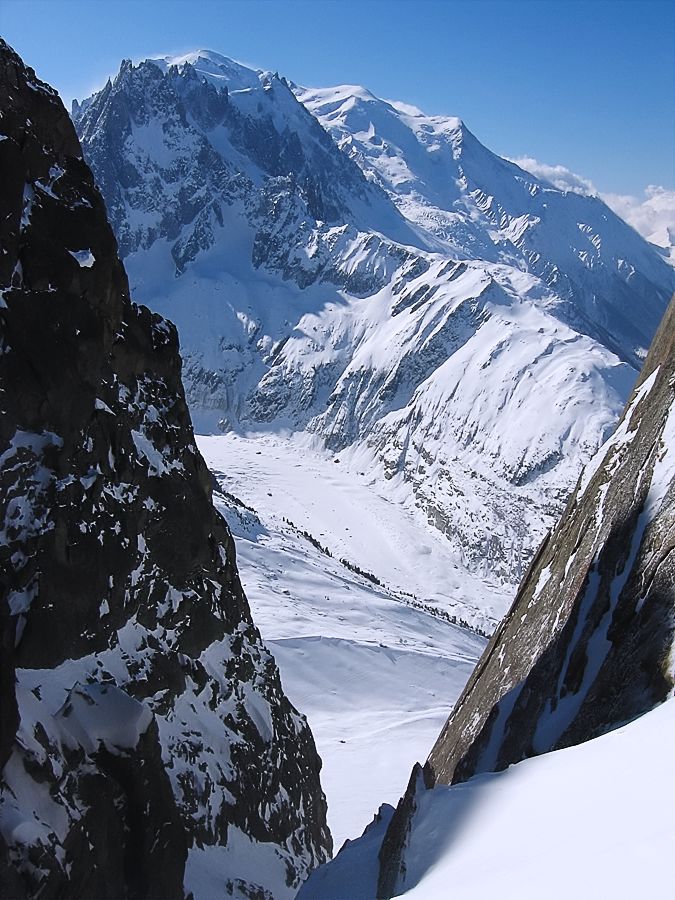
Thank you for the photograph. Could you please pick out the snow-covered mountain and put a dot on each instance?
(424, 308)
(482, 206)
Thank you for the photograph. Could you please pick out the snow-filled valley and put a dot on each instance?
(375, 674)
(399, 352)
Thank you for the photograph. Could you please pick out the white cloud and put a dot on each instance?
(559, 176)
(652, 214)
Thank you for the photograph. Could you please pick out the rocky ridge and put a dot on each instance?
(588, 643)
(145, 738)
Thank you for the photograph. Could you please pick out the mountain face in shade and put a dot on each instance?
(377, 278)
(588, 642)
(144, 735)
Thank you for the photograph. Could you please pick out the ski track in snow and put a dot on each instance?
(375, 677)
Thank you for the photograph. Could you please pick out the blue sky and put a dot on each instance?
(586, 83)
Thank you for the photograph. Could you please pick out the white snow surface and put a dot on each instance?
(253, 862)
(84, 258)
(415, 383)
(587, 821)
(375, 676)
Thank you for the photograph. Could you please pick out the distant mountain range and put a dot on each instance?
(355, 269)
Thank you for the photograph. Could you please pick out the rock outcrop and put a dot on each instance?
(142, 720)
(588, 642)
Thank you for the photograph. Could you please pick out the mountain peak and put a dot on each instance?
(216, 68)
(340, 100)
(194, 56)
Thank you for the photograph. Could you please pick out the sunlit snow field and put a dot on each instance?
(375, 676)
(591, 821)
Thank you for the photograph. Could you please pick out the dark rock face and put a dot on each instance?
(141, 716)
(588, 642)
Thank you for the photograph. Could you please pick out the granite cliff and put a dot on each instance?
(145, 739)
(588, 642)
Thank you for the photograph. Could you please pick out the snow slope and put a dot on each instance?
(375, 674)
(587, 821)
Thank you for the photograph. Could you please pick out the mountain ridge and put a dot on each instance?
(588, 644)
(367, 330)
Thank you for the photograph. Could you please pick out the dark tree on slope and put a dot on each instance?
(588, 642)
(141, 716)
